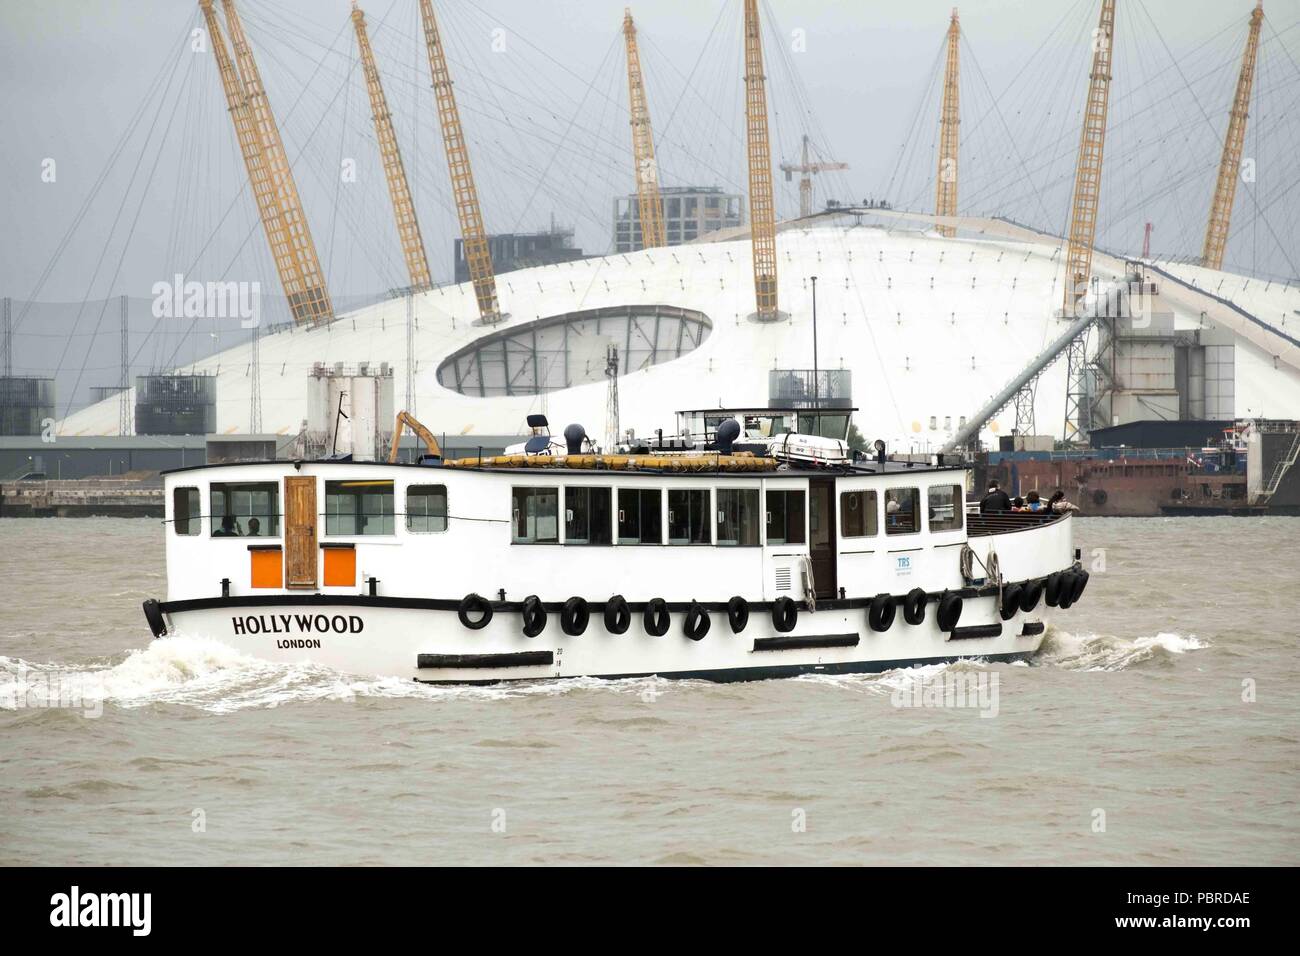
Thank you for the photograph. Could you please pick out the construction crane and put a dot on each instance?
(269, 173)
(806, 170)
(945, 189)
(762, 210)
(408, 226)
(1216, 231)
(1083, 217)
(649, 204)
(478, 256)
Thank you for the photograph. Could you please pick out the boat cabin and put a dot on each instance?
(340, 527)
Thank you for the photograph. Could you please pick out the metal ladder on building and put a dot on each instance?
(1281, 468)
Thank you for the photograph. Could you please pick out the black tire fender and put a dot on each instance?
(697, 622)
(1052, 591)
(1065, 598)
(656, 619)
(1080, 582)
(737, 614)
(1010, 601)
(914, 606)
(785, 615)
(1030, 594)
(153, 614)
(618, 618)
(881, 613)
(534, 614)
(574, 616)
(474, 604)
(949, 612)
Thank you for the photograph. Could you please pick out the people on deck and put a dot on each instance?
(996, 500)
(1018, 504)
(1059, 505)
(1034, 503)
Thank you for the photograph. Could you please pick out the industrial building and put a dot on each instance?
(181, 404)
(25, 404)
(521, 250)
(689, 212)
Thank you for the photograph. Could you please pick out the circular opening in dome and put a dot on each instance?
(574, 348)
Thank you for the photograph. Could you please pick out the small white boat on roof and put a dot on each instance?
(738, 548)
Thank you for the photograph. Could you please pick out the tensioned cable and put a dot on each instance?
(116, 152)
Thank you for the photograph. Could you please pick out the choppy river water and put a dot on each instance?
(1163, 726)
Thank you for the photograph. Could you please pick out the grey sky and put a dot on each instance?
(74, 73)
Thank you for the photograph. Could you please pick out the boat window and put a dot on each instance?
(945, 510)
(187, 511)
(738, 517)
(901, 511)
(245, 509)
(536, 515)
(359, 507)
(688, 516)
(640, 518)
(426, 508)
(858, 514)
(785, 517)
(587, 516)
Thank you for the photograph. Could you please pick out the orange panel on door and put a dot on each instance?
(340, 567)
(267, 568)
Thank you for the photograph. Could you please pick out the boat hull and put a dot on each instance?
(426, 641)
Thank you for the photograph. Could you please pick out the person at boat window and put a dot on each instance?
(1058, 505)
(996, 500)
(228, 528)
(902, 511)
(1034, 503)
(254, 528)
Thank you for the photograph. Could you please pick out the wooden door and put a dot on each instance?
(821, 535)
(300, 551)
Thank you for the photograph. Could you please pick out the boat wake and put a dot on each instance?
(212, 677)
(1105, 652)
(1079, 652)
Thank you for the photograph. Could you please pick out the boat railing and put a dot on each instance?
(1004, 521)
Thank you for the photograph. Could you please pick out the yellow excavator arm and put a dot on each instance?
(426, 436)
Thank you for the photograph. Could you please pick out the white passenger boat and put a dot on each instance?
(755, 552)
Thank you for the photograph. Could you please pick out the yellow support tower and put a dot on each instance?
(649, 204)
(1083, 222)
(408, 226)
(250, 147)
(473, 236)
(762, 210)
(1216, 231)
(945, 190)
(1087, 174)
(294, 250)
